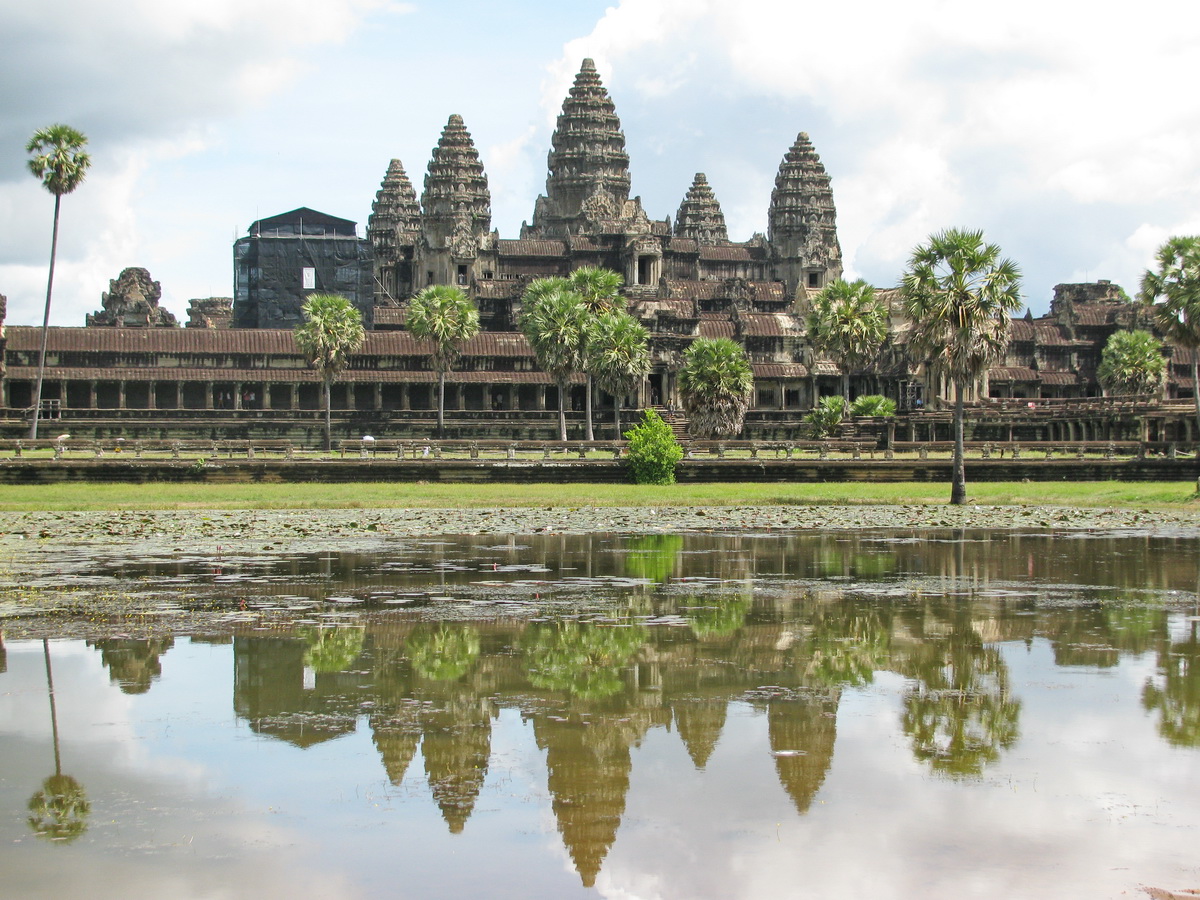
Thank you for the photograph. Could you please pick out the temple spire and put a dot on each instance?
(394, 212)
(456, 194)
(588, 148)
(700, 217)
(802, 221)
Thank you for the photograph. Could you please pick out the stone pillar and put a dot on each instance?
(349, 395)
(121, 394)
(237, 395)
(378, 395)
(405, 400)
(512, 396)
(541, 398)
(209, 389)
(294, 400)
(152, 395)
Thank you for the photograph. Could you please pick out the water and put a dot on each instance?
(883, 714)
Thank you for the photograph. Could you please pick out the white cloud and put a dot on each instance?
(932, 114)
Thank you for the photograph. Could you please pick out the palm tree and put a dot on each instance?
(1132, 363)
(959, 295)
(448, 317)
(619, 356)
(600, 290)
(556, 322)
(331, 331)
(1177, 285)
(60, 164)
(849, 322)
(716, 384)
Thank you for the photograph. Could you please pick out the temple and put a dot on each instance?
(683, 280)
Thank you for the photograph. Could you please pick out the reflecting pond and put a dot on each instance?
(885, 714)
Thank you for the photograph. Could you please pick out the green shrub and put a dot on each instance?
(872, 405)
(653, 450)
(826, 416)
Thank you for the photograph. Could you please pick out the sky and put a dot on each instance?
(1067, 136)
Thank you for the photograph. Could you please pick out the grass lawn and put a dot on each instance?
(83, 496)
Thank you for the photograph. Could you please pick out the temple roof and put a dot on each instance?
(700, 217)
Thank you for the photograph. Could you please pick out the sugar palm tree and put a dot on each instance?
(1132, 363)
(600, 290)
(445, 315)
(959, 295)
(60, 163)
(331, 331)
(849, 322)
(1174, 290)
(715, 384)
(619, 356)
(556, 322)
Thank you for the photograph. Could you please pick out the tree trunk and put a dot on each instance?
(588, 410)
(328, 416)
(562, 412)
(846, 389)
(958, 486)
(1196, 386)
(37, 391)
(441, 422)
(617, 416)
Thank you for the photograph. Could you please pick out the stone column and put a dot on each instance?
(209, 388)
(151, 395)
(405, 400)
(121, 394)
(378, 395)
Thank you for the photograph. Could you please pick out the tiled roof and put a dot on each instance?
(714, 327)
(1012, 373)
(532, 248)
(769, 325)
(730, 253)
(775, 370)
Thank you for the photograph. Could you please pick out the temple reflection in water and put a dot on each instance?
(774, 629)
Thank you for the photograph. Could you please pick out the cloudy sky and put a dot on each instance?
(1068, 136)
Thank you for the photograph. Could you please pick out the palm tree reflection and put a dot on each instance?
(59, 811)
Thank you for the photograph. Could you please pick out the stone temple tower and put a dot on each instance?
(456, 210)
(700, 217)
(588, 181)
(393, 229)
(802, 228)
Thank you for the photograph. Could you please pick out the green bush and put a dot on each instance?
(872, 405)
(653, 450)
(826, 416)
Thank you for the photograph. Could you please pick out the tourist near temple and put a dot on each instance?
(233, 370)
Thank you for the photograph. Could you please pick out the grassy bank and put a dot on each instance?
(73, 496)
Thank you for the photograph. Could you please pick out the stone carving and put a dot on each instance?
(210, 312)
(456, 187)
(132, 302)
(395, 212)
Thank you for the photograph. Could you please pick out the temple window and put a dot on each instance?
(462, 274)
(814, 279)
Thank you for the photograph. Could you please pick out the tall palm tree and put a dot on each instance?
(1174, 290)
(600, 290)
(1132, 363)
(716, 384)
(331, 331)
(849, 322)
(60, 164)
(556, 322)
(959, 295)
(448, 317)
(619, 356)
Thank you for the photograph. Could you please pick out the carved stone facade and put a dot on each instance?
(131, 302)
